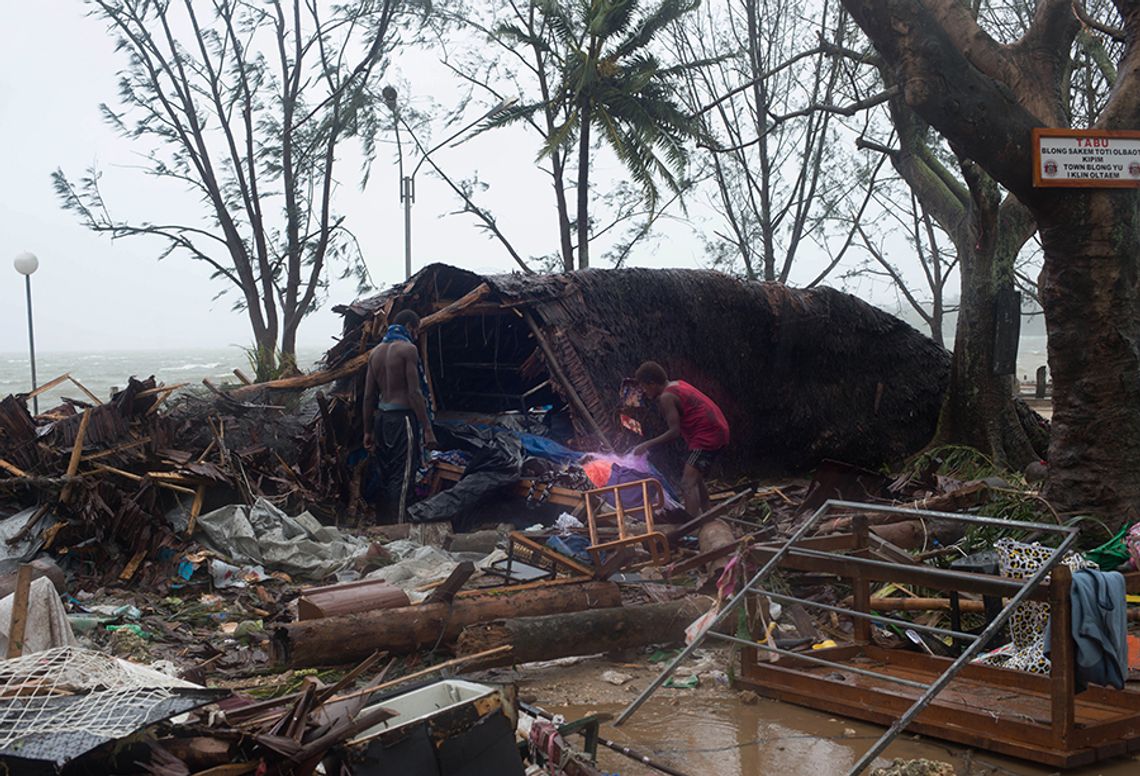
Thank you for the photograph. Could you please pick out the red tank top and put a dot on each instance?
(703, 426)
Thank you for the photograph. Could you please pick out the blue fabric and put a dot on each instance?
(541, 447)
(395, 332)
(1100, 628)
(572, 546)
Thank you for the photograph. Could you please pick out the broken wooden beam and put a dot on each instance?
(12, 469)
(18, 623)
(76, 454)
(456, 308)
(586, 632)
(445, 592)
(349, 598)
(352, 637)
(564, 383)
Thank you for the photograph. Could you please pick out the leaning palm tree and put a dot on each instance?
(609, 80)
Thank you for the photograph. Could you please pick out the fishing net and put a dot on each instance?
(74, 690)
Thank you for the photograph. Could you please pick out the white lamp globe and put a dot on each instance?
(26, 263)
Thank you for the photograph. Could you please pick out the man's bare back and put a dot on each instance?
(387, 364)
(394, 380)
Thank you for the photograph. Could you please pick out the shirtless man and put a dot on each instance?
(695, 418)
(393, 434)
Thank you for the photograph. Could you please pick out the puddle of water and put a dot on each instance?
(707, 735)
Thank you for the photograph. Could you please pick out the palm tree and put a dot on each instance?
(608, 80)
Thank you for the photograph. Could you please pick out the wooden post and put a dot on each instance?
(423, 345)
(1041, 379)
(76, 454)
(860, 586)
(1061, 671)
(19, 622)
(195, 509)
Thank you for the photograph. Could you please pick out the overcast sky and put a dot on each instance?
(57, 65)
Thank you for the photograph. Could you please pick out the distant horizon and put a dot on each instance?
(146, 349)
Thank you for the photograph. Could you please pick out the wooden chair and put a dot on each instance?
(652, 498)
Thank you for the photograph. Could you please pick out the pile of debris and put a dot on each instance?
(119, 484)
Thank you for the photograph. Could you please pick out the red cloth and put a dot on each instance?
(703, 426)
(599, 472)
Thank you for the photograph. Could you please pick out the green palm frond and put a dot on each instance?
(520, 36)
(511, 115)
(652, 23)
(562, 135)
(609, 18)
(560, 23)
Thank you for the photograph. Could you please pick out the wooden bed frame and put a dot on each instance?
(1030, 716)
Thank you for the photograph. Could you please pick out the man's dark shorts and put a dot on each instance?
(703, 460)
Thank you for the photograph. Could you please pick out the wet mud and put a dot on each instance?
(715, 730)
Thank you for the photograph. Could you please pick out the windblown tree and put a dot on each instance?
(766, 102)
(985, 97)
(598, 72)
(248, 105)
(925, 245)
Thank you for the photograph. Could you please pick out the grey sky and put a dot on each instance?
(57, 65)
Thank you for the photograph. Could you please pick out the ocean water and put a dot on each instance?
(105, 371)
(1031, 353)
(102, 372)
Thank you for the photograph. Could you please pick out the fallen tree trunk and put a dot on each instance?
(584, 632)
(353, 637)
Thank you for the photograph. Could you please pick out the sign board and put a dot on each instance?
(1086, 158)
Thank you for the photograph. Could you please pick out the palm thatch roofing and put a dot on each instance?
(801, 374)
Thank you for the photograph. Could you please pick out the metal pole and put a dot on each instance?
(31, 343)
(725, 611)
(407, 193)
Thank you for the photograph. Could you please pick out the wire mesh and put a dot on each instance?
(74, 690)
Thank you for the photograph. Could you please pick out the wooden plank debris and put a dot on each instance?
(17, 626)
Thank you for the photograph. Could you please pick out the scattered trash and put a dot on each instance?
(615, 677)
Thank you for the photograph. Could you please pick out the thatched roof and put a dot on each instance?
(801, 374)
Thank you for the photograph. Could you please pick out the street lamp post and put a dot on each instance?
(26, 264)
(408, 182)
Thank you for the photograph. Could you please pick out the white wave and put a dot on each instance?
(188, 367)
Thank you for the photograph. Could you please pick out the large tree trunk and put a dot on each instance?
(1090, 293)
(979, 407)
(584, 633)
(353, 637)
(986, 98)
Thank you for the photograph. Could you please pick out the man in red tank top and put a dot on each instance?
(695, 418)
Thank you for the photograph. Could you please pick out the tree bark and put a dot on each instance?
(979, 408)
(987, 234)
(566, 241)
(985, 98)
(584, 633)
(1090, 292)
(584, 189)
(353, 637)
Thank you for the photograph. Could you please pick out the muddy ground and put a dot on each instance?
(715, 730)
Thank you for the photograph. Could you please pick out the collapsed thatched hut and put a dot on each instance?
(802, 375)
